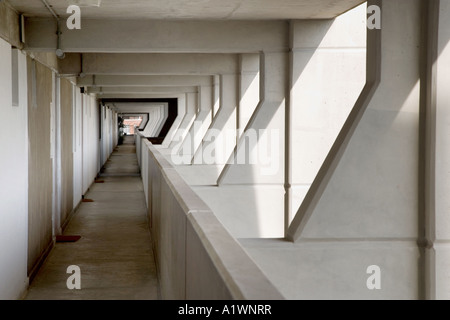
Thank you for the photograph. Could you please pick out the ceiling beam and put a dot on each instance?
(136, 107)
(143, 81)
(10, 25)
(159, 64)
(164, 36)
(132, 96)
(141, 90)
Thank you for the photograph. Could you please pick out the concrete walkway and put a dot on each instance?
(114, 253)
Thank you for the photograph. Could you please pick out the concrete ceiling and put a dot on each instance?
(127, 107)
(186, 43)
(191, 9)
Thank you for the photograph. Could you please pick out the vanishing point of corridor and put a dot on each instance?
(114, 253)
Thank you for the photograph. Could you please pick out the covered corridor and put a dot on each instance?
(114, 253)
(281, 149)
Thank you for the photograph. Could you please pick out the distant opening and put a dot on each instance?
(131, 124)
(136, 115)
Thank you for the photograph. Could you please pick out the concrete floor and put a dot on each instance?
(115, 252)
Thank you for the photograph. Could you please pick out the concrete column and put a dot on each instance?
(154, 116)
(204, 117)
(191, 106)
(367, 188)
(259, 156)
(436, 148)
(220, 139)
(158, 115)
(77, 147)
(327, 73)
(56, 153)
(176, 124)
(216, 96)
(66, 151)
(249, 197)
(248, 89)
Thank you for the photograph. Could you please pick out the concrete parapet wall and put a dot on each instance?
(197, 258)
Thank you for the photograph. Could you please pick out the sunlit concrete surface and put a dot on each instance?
(287, 149)
(115, 251)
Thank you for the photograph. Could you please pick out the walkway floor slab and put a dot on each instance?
(114, 253)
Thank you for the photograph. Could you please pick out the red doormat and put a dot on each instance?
(67, 238)
(87, 200)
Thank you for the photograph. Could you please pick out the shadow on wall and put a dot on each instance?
(246, 199)
(368, 210)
